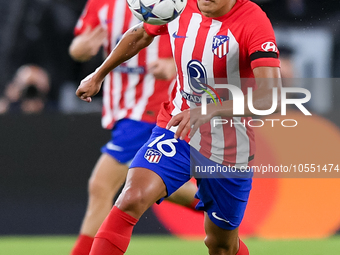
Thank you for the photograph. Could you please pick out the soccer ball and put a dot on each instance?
(156, 12)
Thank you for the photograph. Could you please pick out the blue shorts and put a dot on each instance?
(127, 136)
(224, 199)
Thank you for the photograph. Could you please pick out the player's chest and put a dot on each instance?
(212, 43)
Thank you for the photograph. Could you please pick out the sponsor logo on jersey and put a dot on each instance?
(197, 76)
(269, 47)
(220, 45)
(198, 99)
(130, 70)
(108, 21)
(174, 35)
(153, 156)
(197, 79)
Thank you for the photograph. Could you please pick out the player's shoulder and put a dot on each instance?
(251, 9)
(252, 16)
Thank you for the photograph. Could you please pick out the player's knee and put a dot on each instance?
(133, 199)
(98, 189)
(218, 247)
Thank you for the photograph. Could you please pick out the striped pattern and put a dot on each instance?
(128, 91)
(225, 60)
(153, 156)
(221, 45)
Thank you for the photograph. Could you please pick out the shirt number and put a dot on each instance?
(168, 142)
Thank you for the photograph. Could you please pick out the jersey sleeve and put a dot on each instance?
(262, 48)
(155, 30)
(165, 46)
(88, 17)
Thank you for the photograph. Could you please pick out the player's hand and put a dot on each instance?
(189, 119)
(88, 87)
(163, 68)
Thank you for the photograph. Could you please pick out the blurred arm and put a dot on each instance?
(163, 68)
(86, 45)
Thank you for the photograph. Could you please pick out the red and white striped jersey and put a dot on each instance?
(218, 50)
(128, 91)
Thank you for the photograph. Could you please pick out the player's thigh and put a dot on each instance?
(223, 199)
(184, 195)
(143, 188)
(167, 157)
(218, 238)
(107, 177)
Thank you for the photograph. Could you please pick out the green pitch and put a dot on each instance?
(167, 245)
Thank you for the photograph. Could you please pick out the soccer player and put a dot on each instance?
(131, 101)
(214, 41)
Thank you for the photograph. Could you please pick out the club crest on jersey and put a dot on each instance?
(220, 45)
(153, 156)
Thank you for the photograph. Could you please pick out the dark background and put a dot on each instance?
(45, 163)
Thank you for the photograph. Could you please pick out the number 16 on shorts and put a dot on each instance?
(154, 156)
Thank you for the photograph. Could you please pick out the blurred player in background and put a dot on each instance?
(132, 95)
(218, 41)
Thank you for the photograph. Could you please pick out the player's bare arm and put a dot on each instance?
(87, 44)
(267, 78)
(131, 43)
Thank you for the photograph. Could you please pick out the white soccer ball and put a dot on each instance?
(156, 12)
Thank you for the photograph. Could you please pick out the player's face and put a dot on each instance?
(215, 8)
